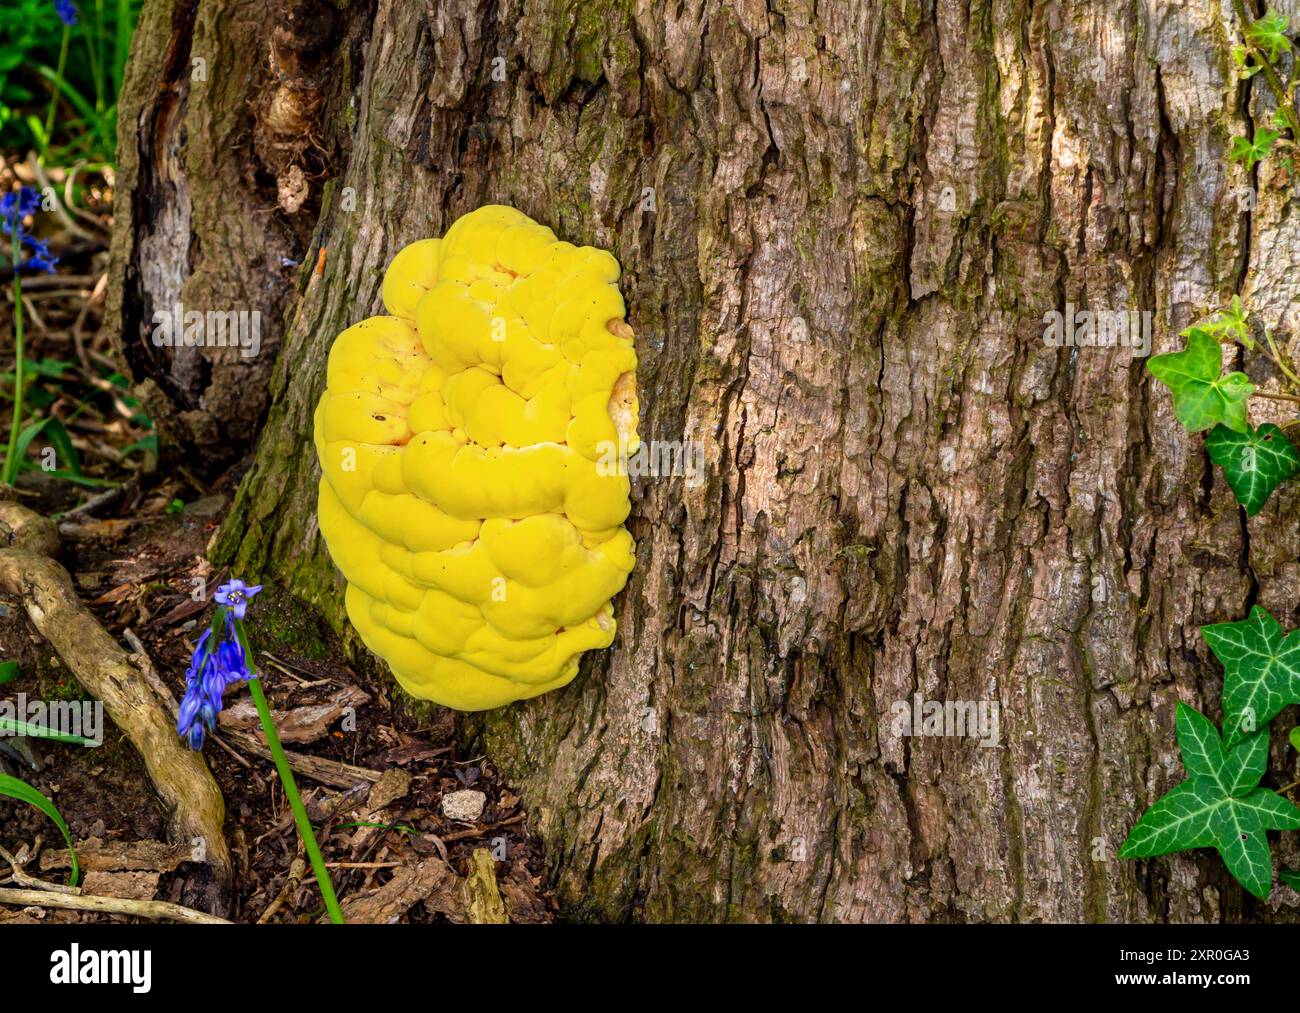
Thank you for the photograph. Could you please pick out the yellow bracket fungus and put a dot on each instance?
(461, 441)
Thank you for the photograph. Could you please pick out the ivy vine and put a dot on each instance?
(1221, 804)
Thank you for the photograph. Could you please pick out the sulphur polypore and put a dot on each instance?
(462, 442)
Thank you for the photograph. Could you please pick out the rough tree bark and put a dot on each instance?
(861, 213)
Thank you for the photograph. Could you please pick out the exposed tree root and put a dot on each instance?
(28, 542)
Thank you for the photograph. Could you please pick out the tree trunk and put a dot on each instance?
(841, 227)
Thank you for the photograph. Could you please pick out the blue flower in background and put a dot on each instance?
(67, 11)
(14, 207)
(40, 260)
(17, 205)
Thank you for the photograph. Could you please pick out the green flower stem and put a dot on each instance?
(290, 786)
(95, 72)
(58, 86)
(99, 56)
(10, 470)
(1276, 356)
(1274, 396)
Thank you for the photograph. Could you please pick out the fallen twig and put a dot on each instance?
(60, 212)
(364, 865)
(98, 500)
(462, 835)
(157, 909)
(55, 280)
(331, 772)
(297, 869)
(69, 190)
(22, 879)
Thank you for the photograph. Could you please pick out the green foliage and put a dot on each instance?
(12, 787)
(57, 433)
(1228, 325)
(49, 382)
(1269, 35)
(1261, 670)
(1254, 462)
(1203, 396)
(8, 671)
(1246, 66)
(31, 46)
(1267, 49)
(29, 731)
(1251, 151)
(1219, 806)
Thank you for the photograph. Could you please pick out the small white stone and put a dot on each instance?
(466, 805)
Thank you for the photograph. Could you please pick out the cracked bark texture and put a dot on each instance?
(861, 213)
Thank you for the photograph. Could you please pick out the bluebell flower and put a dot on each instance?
(67, 11)
(17, 205)
(40, 259)
(14, 207)
(231, 664)
(215, 667)
(235, 596)
(198, 710)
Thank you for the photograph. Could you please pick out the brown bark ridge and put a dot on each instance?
(841, 226)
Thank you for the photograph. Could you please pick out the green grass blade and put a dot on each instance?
(57, 435)
(123, 26)
(10, 726)
(24, 792)
(83, 480)
(78, 101)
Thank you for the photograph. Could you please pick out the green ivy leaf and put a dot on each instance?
(1229, 323)
(1290, 877)
(1251, 152)
(1255, 462)
(1269, 34)
(1233, 773)
(1219, 806)
(1261, 670)
(1203, 397)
